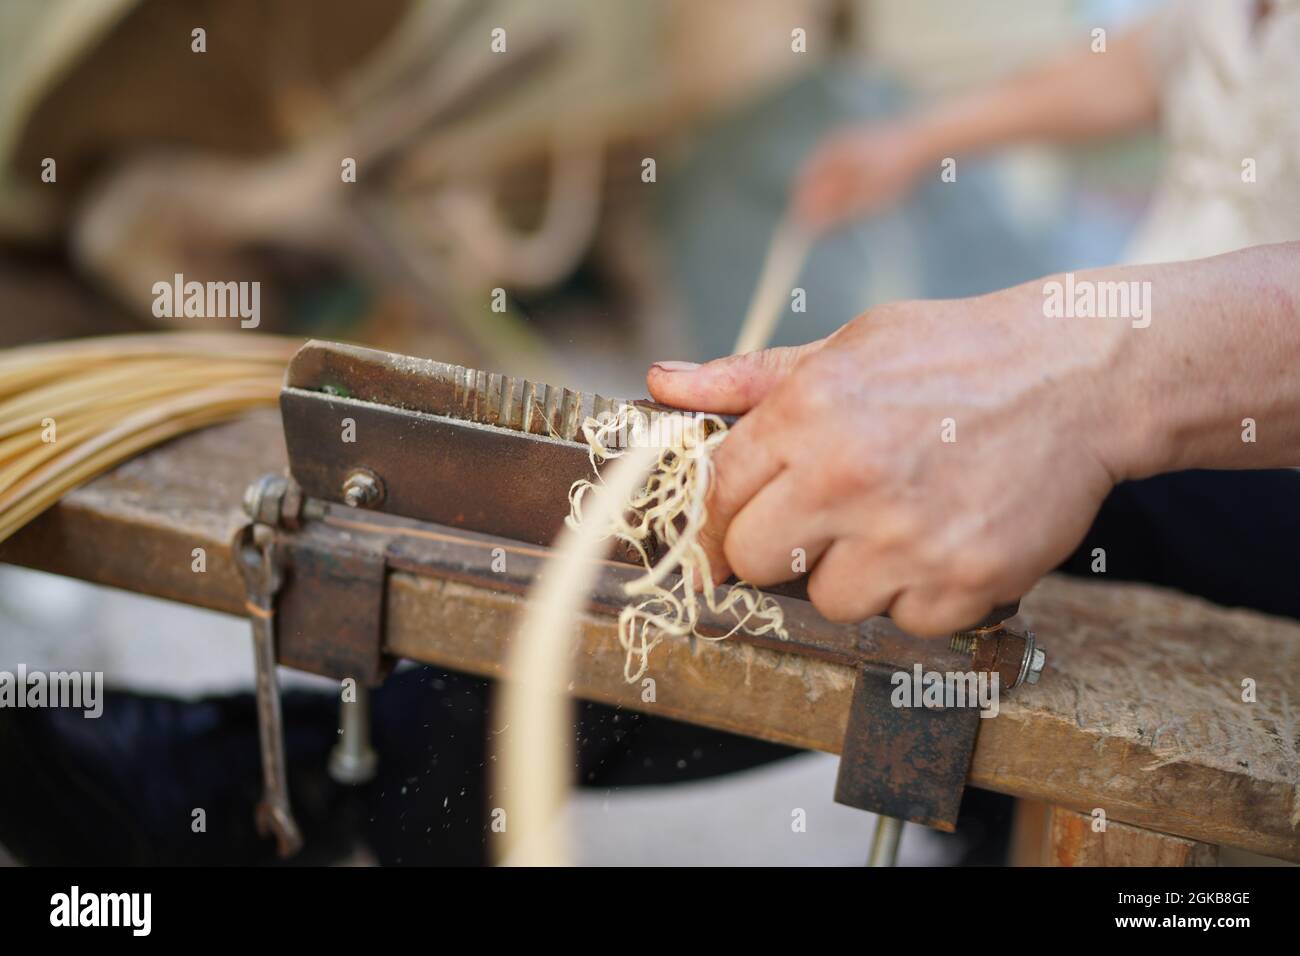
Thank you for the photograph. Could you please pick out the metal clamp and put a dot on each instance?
(329, 621)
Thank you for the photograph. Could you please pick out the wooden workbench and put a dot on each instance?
(1139, 713)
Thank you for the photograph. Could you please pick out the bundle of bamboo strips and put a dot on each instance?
(72, 410)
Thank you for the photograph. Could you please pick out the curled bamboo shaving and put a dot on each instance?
(669, 510)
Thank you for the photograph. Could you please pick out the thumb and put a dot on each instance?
(731, 385)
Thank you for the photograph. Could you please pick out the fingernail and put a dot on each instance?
(677, 366)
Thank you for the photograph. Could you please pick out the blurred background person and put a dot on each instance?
(1219, 79)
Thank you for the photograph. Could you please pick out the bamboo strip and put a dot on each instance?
(111, 398)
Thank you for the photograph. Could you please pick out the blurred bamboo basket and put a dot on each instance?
(72, 410)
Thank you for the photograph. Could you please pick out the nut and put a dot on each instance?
(1036, 665)
(363, 489)
(264, 499)
(1015, 656)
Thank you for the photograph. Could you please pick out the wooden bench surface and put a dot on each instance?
(1140, 711)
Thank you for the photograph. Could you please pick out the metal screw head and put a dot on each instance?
(362, 490)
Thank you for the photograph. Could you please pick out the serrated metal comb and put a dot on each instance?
(437, 388)
(457, 446)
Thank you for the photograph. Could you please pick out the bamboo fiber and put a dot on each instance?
(785, 260)
(535, 761)
(72, 410)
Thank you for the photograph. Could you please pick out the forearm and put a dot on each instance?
(1077, 97)
(1214, 380)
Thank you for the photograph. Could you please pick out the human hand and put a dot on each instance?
(932, 459)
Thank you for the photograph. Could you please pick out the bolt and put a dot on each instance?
(963, 642)
(884, 843)
(1032, 662)
(362, 490)
(353, 760)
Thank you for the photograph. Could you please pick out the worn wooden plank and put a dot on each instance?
(136, 527)
(1139, 712)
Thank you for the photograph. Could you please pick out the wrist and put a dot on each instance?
(1211, 380)
(1101, 365)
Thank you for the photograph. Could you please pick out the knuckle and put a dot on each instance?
(832, 606)
(812, 397)
(918, 616)
(902, 525)
(925, 616)
(850, 474)
(742, 560)
(980, 569)
(836, 600)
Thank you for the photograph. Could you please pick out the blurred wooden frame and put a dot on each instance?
(1045, 835)
(171, 161)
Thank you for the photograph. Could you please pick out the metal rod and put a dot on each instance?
(353, 760)
(884, 844)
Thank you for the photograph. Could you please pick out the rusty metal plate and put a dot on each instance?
(434, 468)
(330, 614)
(906, 762)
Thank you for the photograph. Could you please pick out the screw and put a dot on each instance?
(963, 643)
(362, 489)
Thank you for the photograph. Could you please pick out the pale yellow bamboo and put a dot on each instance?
(534, 759)
(111, 398)
(785, 260)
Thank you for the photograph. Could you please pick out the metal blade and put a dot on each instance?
(454, 391)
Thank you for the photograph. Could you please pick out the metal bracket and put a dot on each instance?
(911, 762)
(330, 608)
(906, 762)
(317, 606)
